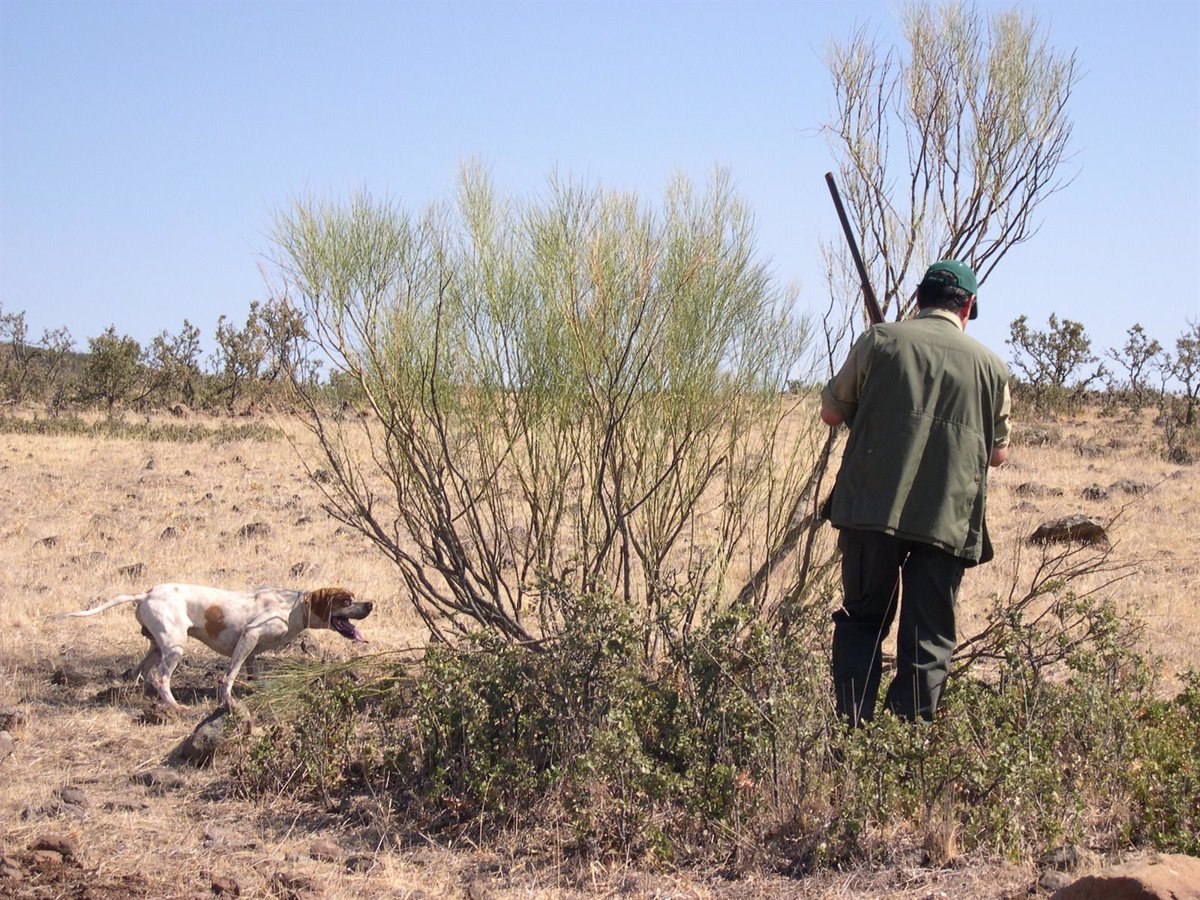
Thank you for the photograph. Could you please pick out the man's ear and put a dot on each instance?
(967, 312)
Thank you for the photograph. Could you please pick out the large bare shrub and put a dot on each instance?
(948, 147)
(571, 394)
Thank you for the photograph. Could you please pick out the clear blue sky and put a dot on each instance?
(144, 146)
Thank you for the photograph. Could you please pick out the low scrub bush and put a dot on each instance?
(724, 747)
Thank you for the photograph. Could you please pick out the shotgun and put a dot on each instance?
(874, 313)
(807, 523)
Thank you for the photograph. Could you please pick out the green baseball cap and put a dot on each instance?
(956, 274)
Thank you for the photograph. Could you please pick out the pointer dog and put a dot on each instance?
(237, 624)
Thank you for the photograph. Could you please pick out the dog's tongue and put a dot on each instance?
(348, 629)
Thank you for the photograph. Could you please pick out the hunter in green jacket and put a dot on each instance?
(928, 413)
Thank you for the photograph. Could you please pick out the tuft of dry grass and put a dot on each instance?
(88, 518)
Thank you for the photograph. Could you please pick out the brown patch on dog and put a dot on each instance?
(214, 621)
(321, 603)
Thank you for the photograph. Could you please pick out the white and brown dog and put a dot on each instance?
(237, 624)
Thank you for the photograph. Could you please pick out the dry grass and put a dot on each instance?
(1154, 532)
(78, 511)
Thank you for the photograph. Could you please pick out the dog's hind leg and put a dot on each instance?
(148, 664)
(160, 676)
(149, 661)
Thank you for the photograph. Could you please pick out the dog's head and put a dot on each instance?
(335, 608)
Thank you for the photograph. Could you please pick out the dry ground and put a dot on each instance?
(84, 519)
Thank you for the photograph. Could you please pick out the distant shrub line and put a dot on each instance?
(117, 428)
(251, 364)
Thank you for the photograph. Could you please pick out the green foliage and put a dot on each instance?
(1048, 363)
(257, 360)
(238, 359)
(317, 752)
(31, 369)
(1184, 367)
(174, 363)
(115, 427)
(725, 746)
(634, 756)
(1139, 358)
(1165, 779)
(550, 386)
(114, 371)
(1178, 411)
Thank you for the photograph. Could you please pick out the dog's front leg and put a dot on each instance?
(245, 647)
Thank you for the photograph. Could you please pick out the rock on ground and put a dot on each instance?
(1071, 529)
(1171, 876)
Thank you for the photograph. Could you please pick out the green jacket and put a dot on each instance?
(926, 405)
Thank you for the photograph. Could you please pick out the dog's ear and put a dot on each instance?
(322, 602)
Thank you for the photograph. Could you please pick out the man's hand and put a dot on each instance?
(831, 417)
(999, 455)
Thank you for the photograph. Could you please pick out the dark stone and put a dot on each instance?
(199, 748)
(1033, 489)
(168, 534)
(325, 851)
(1168, 876)
(11, 718)
(160, 780)
(296, 887)
(1094, 492)
(64, 845)
(72, 796)
(69, 676)
(254, 530)
(158, 714)
(1037, 436)
(132, 571)
(1069, 530)
(360, 863)
(224, 886)
(1125, 486)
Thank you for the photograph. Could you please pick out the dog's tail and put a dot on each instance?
(115, 601)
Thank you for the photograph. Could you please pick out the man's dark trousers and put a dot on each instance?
(877, 570)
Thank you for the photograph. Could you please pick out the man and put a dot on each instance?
(928, 413)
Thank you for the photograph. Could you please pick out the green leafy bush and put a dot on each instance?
(724, 747)
(1164, 779)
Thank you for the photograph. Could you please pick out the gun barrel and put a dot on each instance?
(874, 313)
